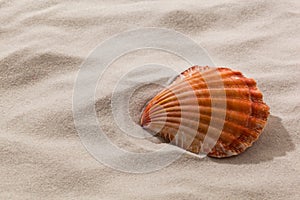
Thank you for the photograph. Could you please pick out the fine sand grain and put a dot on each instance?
(43, 44)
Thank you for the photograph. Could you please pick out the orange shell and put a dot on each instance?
(206, 99)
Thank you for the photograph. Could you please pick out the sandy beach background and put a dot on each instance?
(44, 43)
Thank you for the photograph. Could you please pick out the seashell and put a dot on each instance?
(208, 110)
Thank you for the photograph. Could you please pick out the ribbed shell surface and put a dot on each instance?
(203, 100)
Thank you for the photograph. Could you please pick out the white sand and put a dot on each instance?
(43, 44)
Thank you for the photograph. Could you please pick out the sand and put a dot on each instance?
(44, 43)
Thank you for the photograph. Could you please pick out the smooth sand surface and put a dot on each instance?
(43, 44)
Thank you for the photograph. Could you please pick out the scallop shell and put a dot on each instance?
(216, 111)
